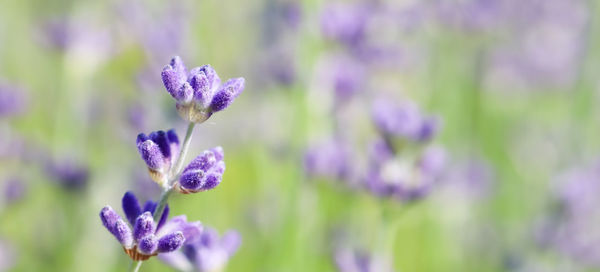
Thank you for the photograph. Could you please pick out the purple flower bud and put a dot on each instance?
(204, 172)
(159, 151)
(219, 154)
(160, 138)
(144, 225)
(203, 162)
(163, 217)
(199, 94)
(152, 155)
(170, 242)
(177, 65)
(228, 92)
(173, 76)
(211, 75)
(185, 93)
(109, 218)
(131, 207)
(148, 244)
(123, 233)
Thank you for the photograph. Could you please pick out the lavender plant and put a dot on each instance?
(198, 94)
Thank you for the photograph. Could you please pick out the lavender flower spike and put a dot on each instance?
(205, 172)
(207, 252)
(147, 238)
(159, 151)
(199, 93)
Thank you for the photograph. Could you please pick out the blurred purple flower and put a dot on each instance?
(345, 23)
(473, 177)
(12, 100)
(69, 174)
(14, 190)
(347, 77)
(402, 177)
(350, 260)
(571, 226)
(206, 252)
(404, 121)
(328, 160)
(146, 238)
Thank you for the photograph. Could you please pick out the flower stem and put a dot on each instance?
(186, 143)
(136, 267)
(162, 203)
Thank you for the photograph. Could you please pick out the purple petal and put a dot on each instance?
(211, 76)
(171, 242)
(148, 244)
(172, 137)
(231, 241)
(160, 138)
(179, 223)
(109, 218)
(211, 181)
(172, 80)
(219, 154)
(228, 92)
(203, 162)
(192, 179)
(163, 217)
(144, 225)
(141, 138)
(149, 206)
(151, 154)
(123, 233)
(185, 93)
(177, 65)
(177, 260)
(131, 207)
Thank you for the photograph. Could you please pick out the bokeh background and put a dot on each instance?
(512, 83)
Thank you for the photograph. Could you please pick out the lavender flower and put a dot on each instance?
(205, 172)
(147, 238)
(14, 190)
(349, 260)
(207, 252)
(344, 23)
(69, 174)
(404, 122)
(571, 227)
(328, 160)
(12, 100)
(199, 93)
(159, 151)
(347, 77)
(403, 177)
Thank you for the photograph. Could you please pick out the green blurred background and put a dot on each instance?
(89, 74)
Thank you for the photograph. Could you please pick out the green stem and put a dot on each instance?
(164, 197)
(136, 267)
(162, 203)
(186, 143)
